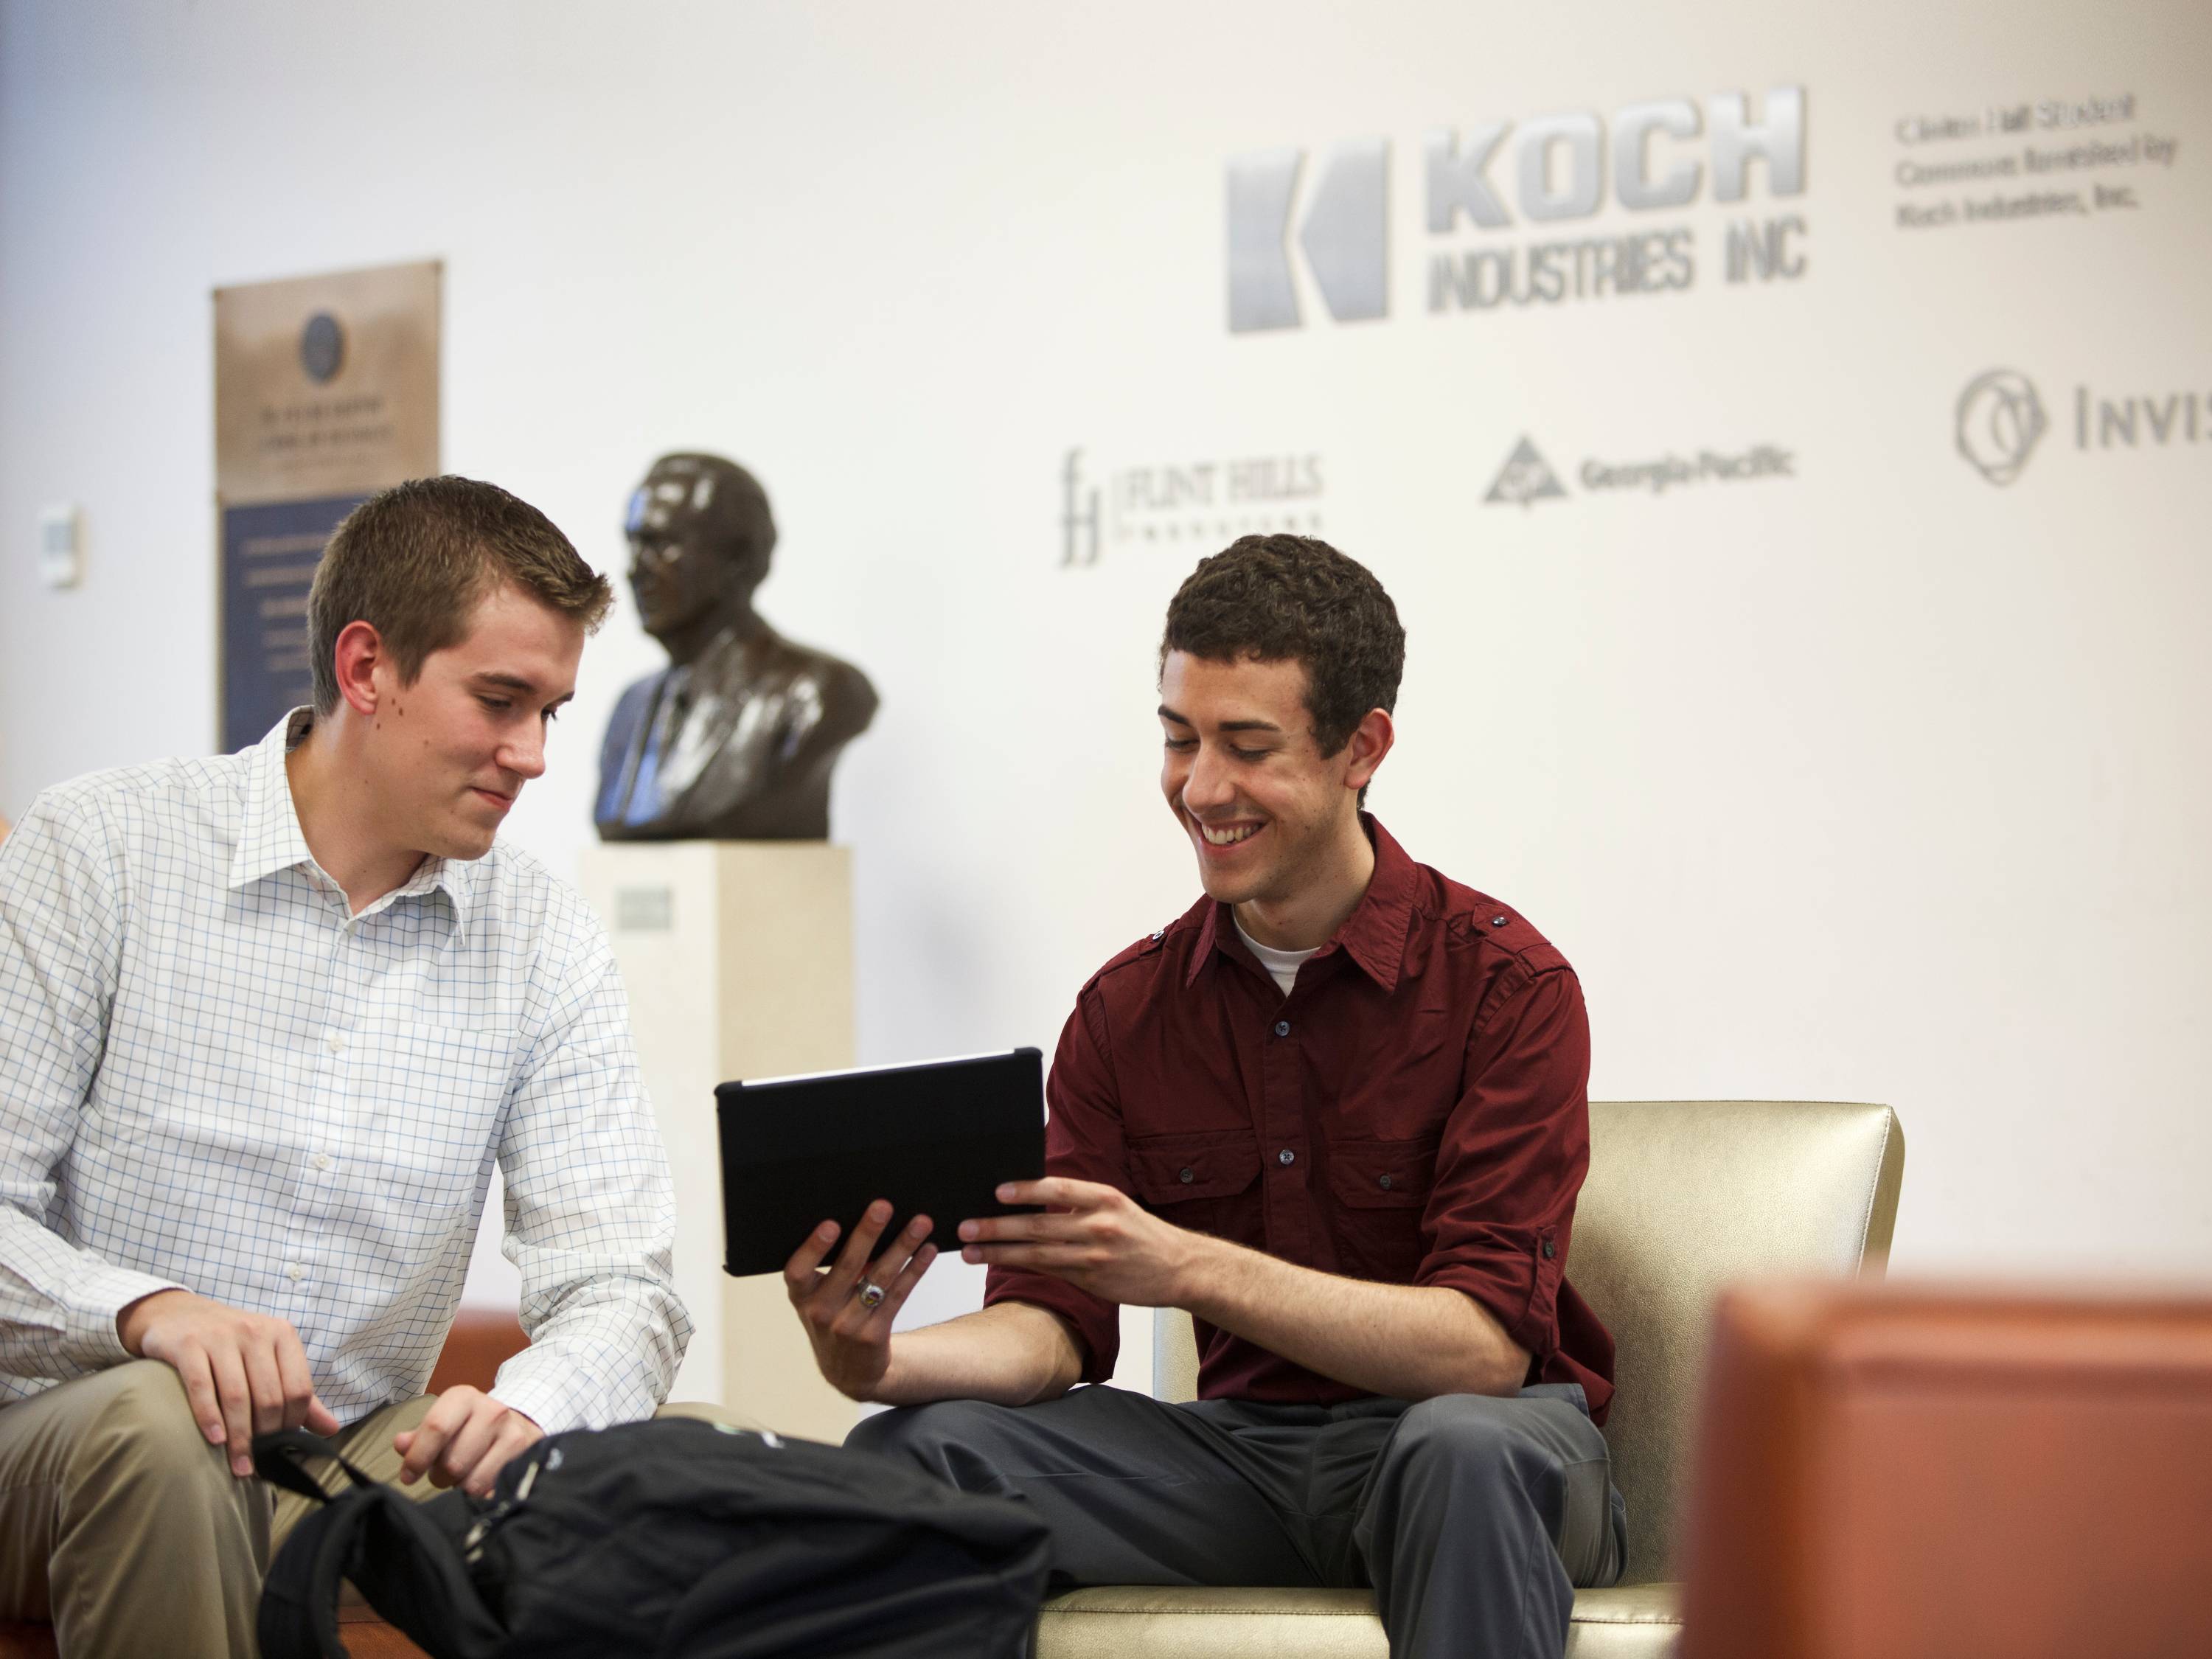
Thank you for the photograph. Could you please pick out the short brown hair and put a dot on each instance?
(413, 561)
(1281, 599)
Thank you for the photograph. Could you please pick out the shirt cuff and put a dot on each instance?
(1519, 1290)
(547, 1399)
(95, 1300)
(1096, 1324)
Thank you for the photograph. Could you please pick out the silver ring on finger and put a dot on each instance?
(871, 1294)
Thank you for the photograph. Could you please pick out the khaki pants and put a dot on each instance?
(122, 1526)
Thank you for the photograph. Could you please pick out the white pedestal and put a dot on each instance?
(738, 957)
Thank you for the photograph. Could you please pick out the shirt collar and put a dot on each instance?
(270, 837)
(1373, 935)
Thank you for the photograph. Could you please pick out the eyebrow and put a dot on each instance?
(1167, 714)
(517, 683)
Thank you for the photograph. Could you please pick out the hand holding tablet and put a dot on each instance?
(932, 1140)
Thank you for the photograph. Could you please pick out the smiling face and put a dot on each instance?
(448, 753)
(1272, 820)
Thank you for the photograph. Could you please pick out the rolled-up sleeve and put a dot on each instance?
(1083, 1141)
(591, 1216)
(1512, 1157)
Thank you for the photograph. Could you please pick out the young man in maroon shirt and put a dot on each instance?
(1336, 1111)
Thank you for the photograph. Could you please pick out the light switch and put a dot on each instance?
(61, 546)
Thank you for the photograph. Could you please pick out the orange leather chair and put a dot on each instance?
(1920, 1473)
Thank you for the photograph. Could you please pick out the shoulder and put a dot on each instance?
(129, 808)
(842, 687)
(1466, 921)
(522, 907)
(1162, 955)
(1488, 952)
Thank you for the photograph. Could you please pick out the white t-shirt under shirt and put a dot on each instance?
(1282, 966)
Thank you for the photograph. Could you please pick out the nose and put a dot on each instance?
(524, 755)
(1207, 786)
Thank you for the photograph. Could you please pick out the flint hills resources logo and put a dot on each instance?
(1527, 478)
(1999, 419)
(1659, 154)
(1207, 503)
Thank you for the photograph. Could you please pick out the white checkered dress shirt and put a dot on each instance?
(210, 1077)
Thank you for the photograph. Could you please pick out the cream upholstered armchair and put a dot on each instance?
(1683, 1197)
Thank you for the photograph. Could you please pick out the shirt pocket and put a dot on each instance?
(1198, 1181)
(1379, 1190)
(426, 1101)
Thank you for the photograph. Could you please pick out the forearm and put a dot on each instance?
(1013, 1354)
(1403, 1341)
(58, 1302)
(606, 1353)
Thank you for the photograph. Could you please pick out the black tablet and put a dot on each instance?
(935, 1139)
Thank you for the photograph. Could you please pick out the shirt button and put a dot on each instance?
(1497, 922)
(1550, 1250)
(1287, 1156)
(1282, 1028)
(1186, 1177)
(295, 1272)
(322, 1161)
(334, 1043)
(1386, 1183)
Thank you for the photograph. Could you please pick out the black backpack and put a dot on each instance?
(673, 1538)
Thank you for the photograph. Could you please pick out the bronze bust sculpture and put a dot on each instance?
(734, 740)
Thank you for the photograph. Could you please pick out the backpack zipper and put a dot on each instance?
(486, 1524)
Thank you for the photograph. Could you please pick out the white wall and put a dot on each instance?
(1875, 782)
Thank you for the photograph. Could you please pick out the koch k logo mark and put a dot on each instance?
(1343, 236)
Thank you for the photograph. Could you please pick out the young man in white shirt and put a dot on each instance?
(267, 1023)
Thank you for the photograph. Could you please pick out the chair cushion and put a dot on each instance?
(1150, 1621)
(1144, 1621)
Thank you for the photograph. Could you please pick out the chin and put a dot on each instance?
(463, 843)
(1227, 889)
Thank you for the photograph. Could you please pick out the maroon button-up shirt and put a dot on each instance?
(1413, 1113)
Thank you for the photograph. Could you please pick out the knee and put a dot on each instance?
(1469, 1433)
(948, 1439)
(143, 1435)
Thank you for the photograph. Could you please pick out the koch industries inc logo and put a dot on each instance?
(1498, 203)
(2000, 420)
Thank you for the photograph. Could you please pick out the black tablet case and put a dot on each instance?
(935, 1139)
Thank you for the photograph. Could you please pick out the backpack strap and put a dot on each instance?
(407, 1566)
(299, 1614)
(278, 1457)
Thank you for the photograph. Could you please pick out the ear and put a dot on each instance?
(1370, 742)
(359, 654)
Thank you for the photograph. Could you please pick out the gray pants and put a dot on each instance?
(1473, 1518)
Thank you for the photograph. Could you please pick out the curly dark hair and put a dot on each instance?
(1295, 598)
